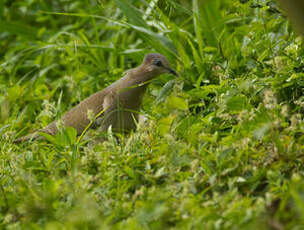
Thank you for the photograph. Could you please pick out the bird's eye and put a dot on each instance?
(158, 63)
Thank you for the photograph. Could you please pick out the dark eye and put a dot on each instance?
(158, 63)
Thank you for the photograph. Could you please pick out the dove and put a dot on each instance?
(117, 105)
(294, 10)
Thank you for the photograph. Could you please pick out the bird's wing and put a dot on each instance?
(78, 117)
(107, 105)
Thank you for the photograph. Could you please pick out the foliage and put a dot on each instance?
(223, 144)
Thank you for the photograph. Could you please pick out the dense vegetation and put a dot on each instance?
(223, 144)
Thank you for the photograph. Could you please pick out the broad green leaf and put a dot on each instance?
(236, 103)
(165, 91)
(174, 102)
(165, 123)
(49, 138)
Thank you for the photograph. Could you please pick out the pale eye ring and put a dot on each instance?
(158, 63)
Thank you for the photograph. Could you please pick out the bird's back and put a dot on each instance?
(78, 117)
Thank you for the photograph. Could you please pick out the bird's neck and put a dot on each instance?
(139, 78)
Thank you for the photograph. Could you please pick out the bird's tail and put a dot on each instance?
(31, 136)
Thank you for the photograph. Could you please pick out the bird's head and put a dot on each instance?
(157, 64)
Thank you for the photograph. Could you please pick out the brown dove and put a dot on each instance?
(118, 104)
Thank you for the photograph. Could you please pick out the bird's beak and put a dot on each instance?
(172, 72)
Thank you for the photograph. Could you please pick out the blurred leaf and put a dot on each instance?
(197, 22)
(14, 93)
(130, 172)
(211, 21)
(210, 49)
(174, 102)
(165, 123)
(49, 137)
(260, 132)
(1, 9)
(137, 23)
(132, 14)
(236, 103)
(18, 28)
(67, 136)
(165, 91)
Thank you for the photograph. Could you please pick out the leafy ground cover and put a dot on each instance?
(223, 144)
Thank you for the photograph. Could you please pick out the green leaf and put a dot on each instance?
(71, 135)
(210, 49)
(174, 102)
(197, 20)
(14, 92)
(165, 91)
(132, 14)
(18, 28)
(236, 103)
(135, 18)
(130, 172)
(165, 123)
(49, 138)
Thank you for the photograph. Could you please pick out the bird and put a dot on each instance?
(117, 106)
(294, 10)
